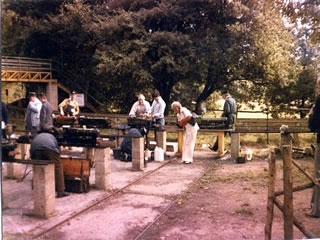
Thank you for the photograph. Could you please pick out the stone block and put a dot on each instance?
(138, 153)
(103, 168)
(44, 190)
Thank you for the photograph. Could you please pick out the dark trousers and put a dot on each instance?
(55, 157)
(161, 123)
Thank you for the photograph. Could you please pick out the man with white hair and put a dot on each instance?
(140, 108)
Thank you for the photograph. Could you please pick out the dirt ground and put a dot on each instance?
(229, 202)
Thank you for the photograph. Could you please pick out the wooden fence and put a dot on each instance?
(287, 206)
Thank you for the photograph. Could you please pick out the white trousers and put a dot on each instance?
(189, 141)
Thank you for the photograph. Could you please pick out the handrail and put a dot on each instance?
(24, 63)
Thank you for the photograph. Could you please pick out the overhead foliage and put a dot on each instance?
(188, 49)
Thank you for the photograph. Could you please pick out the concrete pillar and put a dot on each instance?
(14, 170)
(103, 168)
(137, 153)
(235, 145)
(52, 94)
(44, 193)
(220, 143)
(180, 140)
(162, 139)
(23, 150)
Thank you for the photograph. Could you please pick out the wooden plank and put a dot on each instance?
(288, 197)
(296, 189)
(271, 188)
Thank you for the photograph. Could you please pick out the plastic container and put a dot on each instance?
(158, 154)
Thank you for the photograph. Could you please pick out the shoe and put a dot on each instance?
(186, 162)
(212, 148)
(62, 194)
(310, 215)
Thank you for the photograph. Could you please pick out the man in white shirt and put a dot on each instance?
(140, 108)
(157, 109)
(32, 119)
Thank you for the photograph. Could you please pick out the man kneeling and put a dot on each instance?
(45, 147)
(126, 145)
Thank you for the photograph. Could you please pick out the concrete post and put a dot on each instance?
(44, 190)
(235, 145)
(14, 170)
(162, 139)
(180, 140)
(52, 94)
(23, 151)
(137, 153)
(221, 143)
(103, 168)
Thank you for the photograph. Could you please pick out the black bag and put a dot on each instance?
(193, 119)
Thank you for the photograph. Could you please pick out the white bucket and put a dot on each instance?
(158, 154)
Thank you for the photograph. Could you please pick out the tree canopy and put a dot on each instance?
(187, 49)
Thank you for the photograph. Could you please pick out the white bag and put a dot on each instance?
(158, 154)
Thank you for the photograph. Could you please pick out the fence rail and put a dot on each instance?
(24, 69)
(26, 64)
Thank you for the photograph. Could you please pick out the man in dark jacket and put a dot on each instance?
(46, 121)
(315, 115)
(229, 111)
(44, 146)
(126, 145)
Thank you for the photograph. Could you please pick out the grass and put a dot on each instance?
(245, 211)
(244, 175)
(297, 176)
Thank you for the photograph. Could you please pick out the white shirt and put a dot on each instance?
(137, 109)
(158, 107)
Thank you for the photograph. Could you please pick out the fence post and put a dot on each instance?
(270, 205)
(287, 186)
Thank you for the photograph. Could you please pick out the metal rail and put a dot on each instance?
(172, 203)
(105, 198)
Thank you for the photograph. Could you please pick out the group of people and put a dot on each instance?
(39, 112)
(44, 145)
(142, 108)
